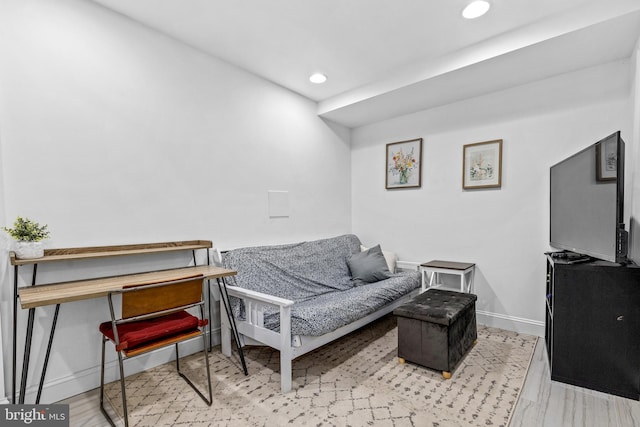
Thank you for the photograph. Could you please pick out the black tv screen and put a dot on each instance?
(587, 201)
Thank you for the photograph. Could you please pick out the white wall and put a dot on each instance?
(111, 133)
(504, 231)
(3, 278)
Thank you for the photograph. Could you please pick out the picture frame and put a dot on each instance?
(482, 165)
(607, 160)
(403, 167)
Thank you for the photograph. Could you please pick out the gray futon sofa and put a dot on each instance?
(297, 297)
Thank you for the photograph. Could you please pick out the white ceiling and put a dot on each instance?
(385, 58)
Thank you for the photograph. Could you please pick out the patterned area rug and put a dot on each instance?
(354, 381)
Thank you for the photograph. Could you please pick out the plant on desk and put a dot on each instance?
(28, 236)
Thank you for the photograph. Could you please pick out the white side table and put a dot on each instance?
(432, 270)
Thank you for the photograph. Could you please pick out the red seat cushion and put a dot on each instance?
(145, 331)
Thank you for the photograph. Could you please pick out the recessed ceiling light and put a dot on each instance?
(318, 78)
(476, 9)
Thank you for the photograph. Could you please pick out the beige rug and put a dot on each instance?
(355, 381)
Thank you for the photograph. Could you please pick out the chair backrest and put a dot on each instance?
(149, 298)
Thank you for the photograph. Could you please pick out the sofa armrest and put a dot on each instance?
(252, 325)
(238, 292)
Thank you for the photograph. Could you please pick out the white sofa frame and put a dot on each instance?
(253, 332)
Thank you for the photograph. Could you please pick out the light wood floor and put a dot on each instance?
(542, 403)
(549, 403)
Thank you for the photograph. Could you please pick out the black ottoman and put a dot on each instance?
(436, 329)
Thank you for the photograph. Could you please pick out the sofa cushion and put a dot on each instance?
(368, 266)
(390, 257)
(296, 271)
(333, 310)
(316, 276)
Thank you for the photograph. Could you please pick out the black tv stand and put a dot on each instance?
(592, 324)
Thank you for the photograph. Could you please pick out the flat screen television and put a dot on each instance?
(587, 202)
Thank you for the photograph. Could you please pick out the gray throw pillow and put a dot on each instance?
(368, 266)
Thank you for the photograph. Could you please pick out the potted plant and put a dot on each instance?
(28, 235)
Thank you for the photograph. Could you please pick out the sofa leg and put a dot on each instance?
(285, 374)
(286, 352)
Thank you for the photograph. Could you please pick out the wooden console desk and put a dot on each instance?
(57, 293)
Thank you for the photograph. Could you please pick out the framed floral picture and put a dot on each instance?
(404, 164)
(482, 165)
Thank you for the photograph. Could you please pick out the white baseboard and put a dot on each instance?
(510, 323)
(60, 388)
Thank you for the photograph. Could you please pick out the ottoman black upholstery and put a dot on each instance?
(437, 328)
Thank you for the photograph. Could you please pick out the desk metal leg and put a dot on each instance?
(28, 338)
(209, 302)
(27, 348)
(15, 334)
(210, 314)
(195, 263)
(208, 299)
(27, 354)
(46, 357)
(222, 286)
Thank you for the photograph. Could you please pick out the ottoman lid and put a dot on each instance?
(437, 306)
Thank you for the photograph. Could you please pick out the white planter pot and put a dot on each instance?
(28, 250)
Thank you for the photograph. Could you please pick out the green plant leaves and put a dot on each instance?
(27, 230)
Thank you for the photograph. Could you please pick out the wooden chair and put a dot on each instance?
(153, 315)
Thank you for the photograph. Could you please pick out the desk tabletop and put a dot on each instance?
(90, 252)
(57, 293)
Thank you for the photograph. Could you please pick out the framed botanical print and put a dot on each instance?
(404, 164)
(607, 160)
(482, 165)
